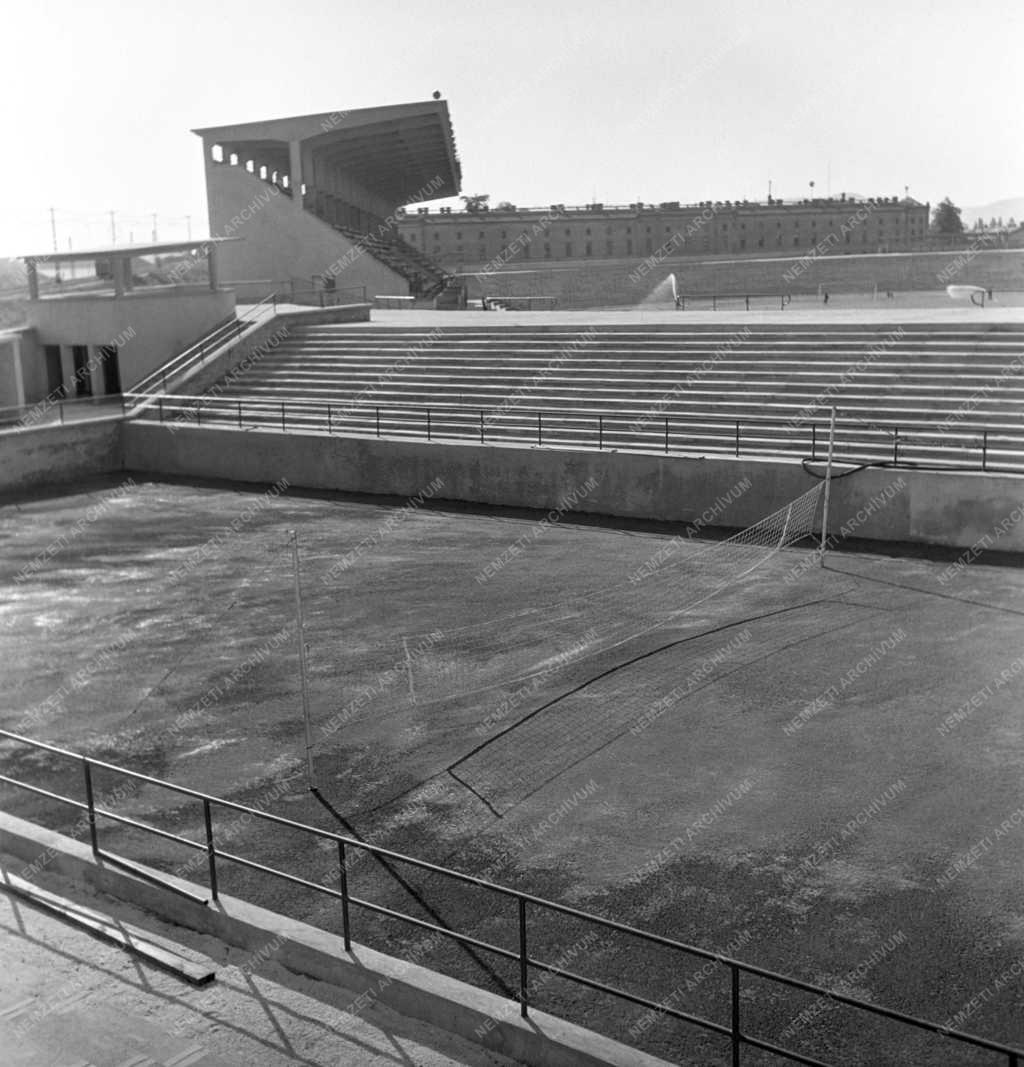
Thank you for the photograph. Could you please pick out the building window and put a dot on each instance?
(760, 242)
(589, 249)
(629, 246)
(743, 243)
(796, 240)
(482, 251)
(610, 248)
(588, 231)
(568, 250)
(458, 235)
(547, 251)
(650, 243)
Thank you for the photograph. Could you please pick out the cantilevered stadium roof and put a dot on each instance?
(399, 150)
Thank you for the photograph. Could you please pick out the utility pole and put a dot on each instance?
(53, 234)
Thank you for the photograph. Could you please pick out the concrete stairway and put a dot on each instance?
(924, 394)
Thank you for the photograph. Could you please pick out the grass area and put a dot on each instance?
(768, 776)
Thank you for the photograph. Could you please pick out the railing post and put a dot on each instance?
(737, 437)
(328, 418)
(736, 1036)
(666, 433)
(62, 413)
(199, 417)
(239, 414)
(539, 435)
(523, 960)
(896, 445)
(481, 427)
(343, 878)
(91, 805)
(211, 852)
(984, 449)
(714, 302)
(282, 415)
(428, 424)
(163, 374)
(747, 299)
(378, 422)
(160, 406)
(600, 432)
(814, 440)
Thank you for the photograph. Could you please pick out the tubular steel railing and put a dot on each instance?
(194, 356)
(525, 904)
(994, 449)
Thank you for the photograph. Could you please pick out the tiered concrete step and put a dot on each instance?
(929, 394)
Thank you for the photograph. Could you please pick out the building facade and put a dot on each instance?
(535, 236)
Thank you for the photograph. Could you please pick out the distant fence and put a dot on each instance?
(959, 448)
(525, 907)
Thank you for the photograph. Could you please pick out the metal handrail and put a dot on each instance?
(195, 354)
(736, 967)
(896, 442)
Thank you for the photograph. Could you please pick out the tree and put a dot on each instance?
(475, 203)
(946, 218)
(505, 205)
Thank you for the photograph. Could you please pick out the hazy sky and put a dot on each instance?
(551, 101)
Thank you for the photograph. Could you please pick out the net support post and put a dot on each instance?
(300, 637)
(828, 487)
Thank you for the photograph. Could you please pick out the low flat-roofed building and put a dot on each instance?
(101, 335)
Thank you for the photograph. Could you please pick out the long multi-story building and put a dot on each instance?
(507, 234)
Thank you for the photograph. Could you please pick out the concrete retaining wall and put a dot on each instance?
(53, 455)
(948, 509)
(411, 990)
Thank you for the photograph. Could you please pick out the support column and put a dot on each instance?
(295, 171)
(117, 271)
(19, 375)
(67, 368)
(212, 266)
(33, 279)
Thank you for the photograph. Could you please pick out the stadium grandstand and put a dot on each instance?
(581, 680)
(318, 195)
